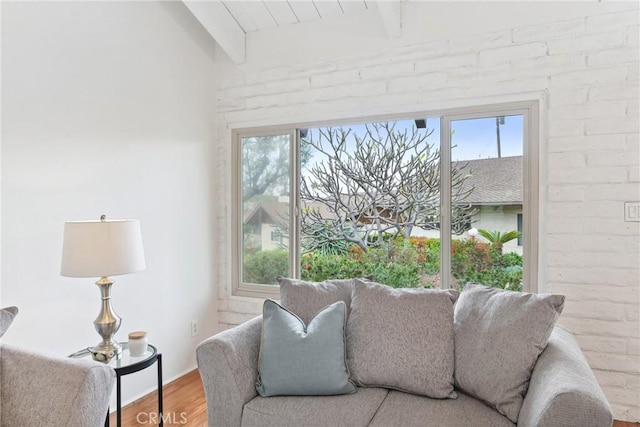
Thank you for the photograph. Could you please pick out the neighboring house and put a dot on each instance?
(263, 225)
(497, 194)
(495, 181)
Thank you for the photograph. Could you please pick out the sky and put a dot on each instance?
(477, 138)
(471, 139)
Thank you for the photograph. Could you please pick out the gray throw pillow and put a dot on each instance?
(306, 299)
(300, 359)
(498, 337)
(6, 318)
(402, 339)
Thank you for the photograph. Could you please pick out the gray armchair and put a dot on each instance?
(38, 390)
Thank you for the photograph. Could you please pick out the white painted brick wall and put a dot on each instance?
(586, 70)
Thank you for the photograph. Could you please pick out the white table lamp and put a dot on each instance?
(101, 249)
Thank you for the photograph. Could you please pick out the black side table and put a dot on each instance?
(127, 364)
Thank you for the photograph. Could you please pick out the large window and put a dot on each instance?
(402, 200)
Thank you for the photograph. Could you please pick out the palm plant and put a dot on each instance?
(498, 239)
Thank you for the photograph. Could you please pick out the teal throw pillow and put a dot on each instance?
(303, 360)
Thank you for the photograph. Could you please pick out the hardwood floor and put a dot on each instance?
(184, 405)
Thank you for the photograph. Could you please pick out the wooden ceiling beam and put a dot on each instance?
(391, 16)
(217, 20)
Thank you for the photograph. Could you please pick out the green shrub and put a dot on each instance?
(316, 239)
(511, 259)
(503, 278)
(397, 275)
(470, 257)
(265, 266)
(401, 263)
(392, 263)
(317, 267)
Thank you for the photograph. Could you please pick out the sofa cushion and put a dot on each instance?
(498, 337)
(348, 410)
(402, 339)
(6, 318)
(299, 359)
(306, 299)
(401, 409)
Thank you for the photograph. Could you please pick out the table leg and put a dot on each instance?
(160, 389)
(119, 401)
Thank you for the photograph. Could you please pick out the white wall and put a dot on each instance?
(579, 59)
(108, 107)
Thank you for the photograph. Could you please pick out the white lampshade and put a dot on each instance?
(102, 248)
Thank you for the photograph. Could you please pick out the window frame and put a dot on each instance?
(240, 288)
(530, 186)
(530, 203)
(276, 236)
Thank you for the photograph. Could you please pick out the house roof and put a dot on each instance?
(496, 181)
(268, 211)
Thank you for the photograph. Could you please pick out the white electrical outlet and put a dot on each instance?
(632, 211)
(194, 328)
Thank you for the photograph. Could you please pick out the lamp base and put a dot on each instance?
(106, 351)
(107, 324)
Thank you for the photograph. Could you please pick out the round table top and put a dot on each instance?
(125, 360)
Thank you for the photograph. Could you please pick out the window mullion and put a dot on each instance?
(445, 202)
(530, 200)
(294, 204)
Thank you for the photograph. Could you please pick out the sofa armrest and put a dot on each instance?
(39, 390)
(228, 365)
(563, 390)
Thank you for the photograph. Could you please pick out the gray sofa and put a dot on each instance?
(562, 392)
(38, 390)
(495, 333)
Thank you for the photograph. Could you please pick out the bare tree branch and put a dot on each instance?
(385, 181)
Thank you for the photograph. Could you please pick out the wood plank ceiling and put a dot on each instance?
(229, 21)
(261, 15)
